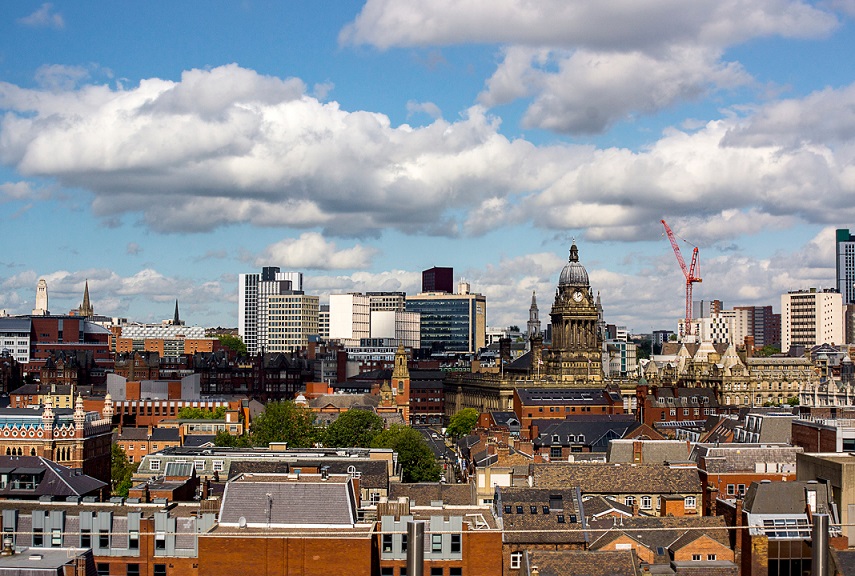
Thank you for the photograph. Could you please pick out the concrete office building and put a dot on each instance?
(253, 290)
(403, 327)
(811, 317)
(350, 318)
(438, 280)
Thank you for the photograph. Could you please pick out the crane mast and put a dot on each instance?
(689, 273)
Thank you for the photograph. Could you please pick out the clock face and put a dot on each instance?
(577, 296)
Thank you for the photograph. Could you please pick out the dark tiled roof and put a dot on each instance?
(552, 396)
(845, 561)
(602, 563)
(268, 500)
(422, 494)
(659, 532)
(784, 497)
(165, 435)
(729, 458)
(540, 515)
(56, 481)
(597, 430)
(133, 433)
(618, 478)
(599, 505)
(199, 439)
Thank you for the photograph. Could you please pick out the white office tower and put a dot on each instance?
(403, 327)
(290, 320)
(350, 318)
(41, 308)
(253, 292)
(811, 317)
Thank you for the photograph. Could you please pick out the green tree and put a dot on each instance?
(284, 422)
(767, 350)
(416, 459)
(354, 428)
(225, 439)
(190, 413)
(232, 342)
(793, 401)
(462, 423)
(121, 471)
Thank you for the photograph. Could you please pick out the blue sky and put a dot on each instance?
(159, 149)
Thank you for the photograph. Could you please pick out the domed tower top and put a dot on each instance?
(573, 274)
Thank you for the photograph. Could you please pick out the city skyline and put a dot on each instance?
(159, 151)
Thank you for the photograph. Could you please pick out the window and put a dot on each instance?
(387, 571)
(740, 488)
(629, 500)
(673, 411)
(402, 571)
(516, 560)
(103, 539)
(404, 542)
(218, 465)
(436, 571)
(646, 502)
(436, 543)
(555, 452)
(561, 518)
(154, 446)
(519, 509)
(133, 570)
(199, 465)
(387, 542)
(533, 509)
(134, 540)
(160, 541)
(103, 569)
(455, 542)
(731, 489)
(85, 539)
(160, 570)
(131, 458)
(38, 538)
(696, 557)
(56, 538)
(711, 557)
(455, 571)
(154, 464)
(691, 502)
(546, 509)
(507, 509)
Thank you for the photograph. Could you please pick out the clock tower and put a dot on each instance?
(576, 356)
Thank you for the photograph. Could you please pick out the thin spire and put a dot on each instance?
(574, 252)
(176, 320)
(86, 295)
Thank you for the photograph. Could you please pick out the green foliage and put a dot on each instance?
(416, 459)
(462, 423)
(284, 422)
(225, 439)
(644, 348)
(232, 343)
(121, 471)
(767, 351)
(672, 338)
(190, 413)
(354, 428)
(793, 400)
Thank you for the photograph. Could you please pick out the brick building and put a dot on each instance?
(531, 404)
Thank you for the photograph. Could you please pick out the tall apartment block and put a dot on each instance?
(438, 280)
(845, 260)
(811, 317)
(262, 319)
(451, 322)
(763, 324)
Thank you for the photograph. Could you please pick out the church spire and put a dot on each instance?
(176, 321)
(85, 309)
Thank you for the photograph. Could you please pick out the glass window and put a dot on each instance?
(134, 540)
(436, 571)
(516, 560)
(455, 571)
(56, 538)
(711, 557)
(436, 542)
(155, 464)
(387, 571)
(160, 541)
(646, 502)
(160, 570)
(38, 538)
(85, 539)
(387, 542)
(690, 502)
(103, 569)
(455, 542)
(696, 557)
(133, 570)
(403, 542)
(103, 539)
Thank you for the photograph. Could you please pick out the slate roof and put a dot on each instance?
(730, 458)
(785, 498)
(373, 474)
(531, 515)
(345, 401)
(601, 563)
(617, 478)
(508, 419)
(165, 435)
(423, 493)
(552, 396)
(844, 560)
(57, 480)
(199, 440)
(597, 430)
(652, 451)
(659, 532)
(595, 506)
(273, 501)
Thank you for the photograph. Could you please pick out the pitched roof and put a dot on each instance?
(652, 451)
(601, 563)
(617, 478)
(275, 501)
(56, 481)
(423, 493)
(534, 515)
(659, 532)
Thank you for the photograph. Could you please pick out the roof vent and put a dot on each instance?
(36, 557)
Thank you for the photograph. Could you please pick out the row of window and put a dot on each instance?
(434, 571)
(435, 543)
(646, 502)
(199, 465)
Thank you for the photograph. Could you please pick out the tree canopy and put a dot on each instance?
(416, 459)
(462, 423)
(232, 342)
(121, 471)
(190, 413)
(284, 422)
(354, 428)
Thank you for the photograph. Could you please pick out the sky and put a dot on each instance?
(159, 149)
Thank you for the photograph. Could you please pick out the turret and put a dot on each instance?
(79, 414)
(47, 417)
(107, 411)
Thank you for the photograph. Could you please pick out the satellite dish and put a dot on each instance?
(242, 522)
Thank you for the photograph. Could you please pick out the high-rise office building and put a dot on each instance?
(438, 280)
(350, 318)
(811, 317)
(763, 324)
(845, 259)
(253, 303)
(451, 322)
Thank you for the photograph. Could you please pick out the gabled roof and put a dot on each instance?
(617, 478)
(57, 480)
(540, 515)
(424, 493)
(660, 532)
(587, 562)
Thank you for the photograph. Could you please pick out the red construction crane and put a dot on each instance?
(689, 273)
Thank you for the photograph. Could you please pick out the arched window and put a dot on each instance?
(8, 451)
(32, 451)
(691, 503)
(629, 500)
(646, 502)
